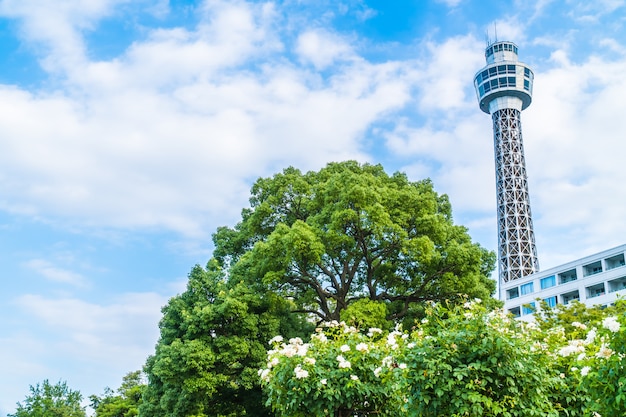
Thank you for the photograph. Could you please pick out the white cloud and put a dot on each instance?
(170, 133)
(446, 74)
(56, 274)
(322, 48)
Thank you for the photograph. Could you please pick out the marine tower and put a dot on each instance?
(504, 88)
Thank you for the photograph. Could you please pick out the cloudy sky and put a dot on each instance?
(131, 129)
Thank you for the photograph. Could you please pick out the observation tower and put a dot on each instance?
(504, 88)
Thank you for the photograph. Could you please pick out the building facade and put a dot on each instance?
(593, 280)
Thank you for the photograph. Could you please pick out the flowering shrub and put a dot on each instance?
(597, 358)
(467, 361)
(458, 361)
(342, 371)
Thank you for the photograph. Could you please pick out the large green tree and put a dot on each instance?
(213, 341)
(51, 400)
(348, 242)
(348, 232)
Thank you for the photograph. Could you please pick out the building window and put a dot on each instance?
(570, 296)
(515, 311)
(617, 284)
(528, 308)
(595, 290)
(592, 268)
(614, 261)
(512, 293)
(548, 282)
(550, 301)
(567, 276)
(526, 288)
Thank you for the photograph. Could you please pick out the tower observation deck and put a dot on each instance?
(504, 88)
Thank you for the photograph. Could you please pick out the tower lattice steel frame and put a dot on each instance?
(504, 88)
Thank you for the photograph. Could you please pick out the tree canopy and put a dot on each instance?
(51, 400)
(348, 232)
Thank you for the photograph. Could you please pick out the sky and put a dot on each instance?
(131, 129)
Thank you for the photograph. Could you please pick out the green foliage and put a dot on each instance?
(123, 404)
(468, 361)
(212, 343)
(348, 232)
(47, 400)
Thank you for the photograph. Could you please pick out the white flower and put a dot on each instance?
(343, 363)
(302, 349)
(323, 381)
(373, 330)
(585, 370)
(377, 371)
(581, 356)
(402, 366)
(344, 348)
(295, 341)
(289, 351)
(411, 345)
(387, 361)
(590, 336)
(276, 339)
(321, 337)
(354, 377)
(362, 347)
(424, 321)
(604, 352)
(579, 325)
(273, 362)
(264, 374)
(309, 360)
(611, 324)
(574, 346)
(300, 373)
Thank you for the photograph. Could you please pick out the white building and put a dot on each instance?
(594, 280)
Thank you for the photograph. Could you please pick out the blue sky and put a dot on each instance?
(131, 129)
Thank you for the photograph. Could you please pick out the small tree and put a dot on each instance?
(47, 400)
(124, 403)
